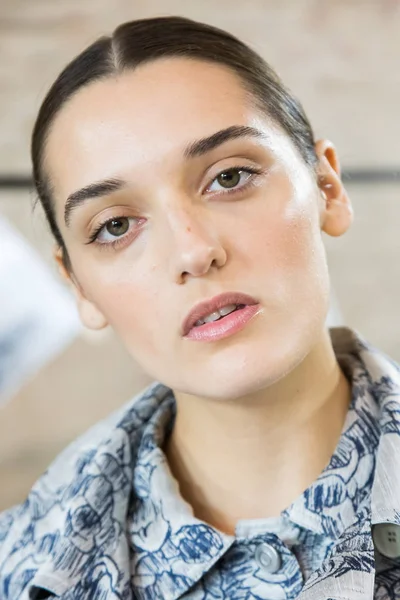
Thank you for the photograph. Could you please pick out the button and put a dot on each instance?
(268, 558)
(386, 538)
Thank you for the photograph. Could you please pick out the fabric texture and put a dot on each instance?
(107, 521)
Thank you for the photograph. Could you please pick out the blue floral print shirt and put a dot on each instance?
(107, 522)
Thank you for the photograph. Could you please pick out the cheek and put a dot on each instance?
(288, 240)
(287, 255)
(304, 267)
(136, 314)
(299, 242)
(130, 300)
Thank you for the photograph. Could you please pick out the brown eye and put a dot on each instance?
(118, 227)
(229, 179)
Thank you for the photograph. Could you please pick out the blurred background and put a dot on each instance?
(342, 60)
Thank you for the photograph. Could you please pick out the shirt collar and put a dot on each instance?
(382, 377)
(331, 504)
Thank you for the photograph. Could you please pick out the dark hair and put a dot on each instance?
(141, 41)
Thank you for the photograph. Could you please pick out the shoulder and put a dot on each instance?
(126, 423)
(98, 465)
(124, 426)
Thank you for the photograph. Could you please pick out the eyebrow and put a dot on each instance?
(94, 190)
(200, 147)
(193, 150)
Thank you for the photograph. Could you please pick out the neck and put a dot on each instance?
(250, 457)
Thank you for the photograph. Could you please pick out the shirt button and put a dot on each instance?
(268, 558)
(386, 538)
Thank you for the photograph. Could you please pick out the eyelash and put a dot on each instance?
(249, 183)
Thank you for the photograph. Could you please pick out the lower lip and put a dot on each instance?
(232, 323)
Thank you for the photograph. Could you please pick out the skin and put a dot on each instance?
(259, 412)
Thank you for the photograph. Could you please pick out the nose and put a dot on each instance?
(197, 248)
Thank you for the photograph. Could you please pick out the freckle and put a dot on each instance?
(188, 229)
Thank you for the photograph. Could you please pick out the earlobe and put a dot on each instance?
(337, 212)
(90, 315)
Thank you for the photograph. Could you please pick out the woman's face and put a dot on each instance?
(162, 229)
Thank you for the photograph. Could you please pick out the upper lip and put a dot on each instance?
(206, 307)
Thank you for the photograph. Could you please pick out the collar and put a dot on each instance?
(332, 503)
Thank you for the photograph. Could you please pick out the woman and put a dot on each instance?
(187, 197)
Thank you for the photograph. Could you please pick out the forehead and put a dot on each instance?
(144, 115)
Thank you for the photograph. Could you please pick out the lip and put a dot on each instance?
(202, 309)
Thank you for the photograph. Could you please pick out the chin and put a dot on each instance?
(227, 391)
(245, 369)
(244, 378)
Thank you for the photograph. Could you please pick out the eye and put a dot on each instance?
(113, 229)
(236, 177)
(117, 227)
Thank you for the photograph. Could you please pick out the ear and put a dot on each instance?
(337, 212)
(90, 315)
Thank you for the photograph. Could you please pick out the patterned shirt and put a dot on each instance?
(107, 521)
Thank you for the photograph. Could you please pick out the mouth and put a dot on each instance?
(219, 314)
(219, 317)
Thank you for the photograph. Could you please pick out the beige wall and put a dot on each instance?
(340, 57)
